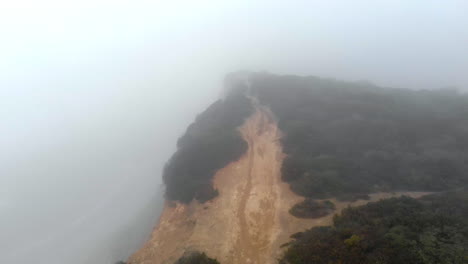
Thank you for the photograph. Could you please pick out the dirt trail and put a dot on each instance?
(249, 220)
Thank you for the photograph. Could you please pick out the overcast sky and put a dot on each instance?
(94, 94)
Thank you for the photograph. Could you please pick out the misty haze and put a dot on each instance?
(233, 132)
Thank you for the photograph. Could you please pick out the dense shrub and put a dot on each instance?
(209, 144)
(196, 258)
(310, 208)
(431, 230)
(345, 138)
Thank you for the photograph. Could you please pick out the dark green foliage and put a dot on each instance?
(310, 208)
(196, 258)
(209, 144)
(345, 138)
(431, 230)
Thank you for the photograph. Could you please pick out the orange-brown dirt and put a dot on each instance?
(249, 220)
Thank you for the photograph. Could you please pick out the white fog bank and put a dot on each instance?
(94, 94)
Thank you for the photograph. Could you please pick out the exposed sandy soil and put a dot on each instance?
(249, 220)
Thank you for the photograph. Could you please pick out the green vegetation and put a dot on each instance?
(196, 258)
(432, 230)
(310, 208)
(209, 144)
(343, 139)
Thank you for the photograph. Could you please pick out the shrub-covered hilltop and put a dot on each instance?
(344, 139)
(209, 144)
(432, 230)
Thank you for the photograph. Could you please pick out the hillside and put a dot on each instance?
(282, 154)
(344, 138)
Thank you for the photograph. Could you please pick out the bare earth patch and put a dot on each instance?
(249, 220)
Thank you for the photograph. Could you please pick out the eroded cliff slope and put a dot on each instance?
(249, 220)
(246, 222)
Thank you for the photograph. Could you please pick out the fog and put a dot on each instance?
(94, 95)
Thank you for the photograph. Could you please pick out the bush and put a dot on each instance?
(196, 258)
(312, 209)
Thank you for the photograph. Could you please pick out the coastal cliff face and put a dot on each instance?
(278, 148)
(249, 220)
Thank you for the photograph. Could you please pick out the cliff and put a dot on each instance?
(279, 146)
(249, 220)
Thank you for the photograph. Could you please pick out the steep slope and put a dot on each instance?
(243, 223)
(210, 143)
(249, 220)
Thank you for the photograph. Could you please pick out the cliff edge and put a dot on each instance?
(249, 220)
